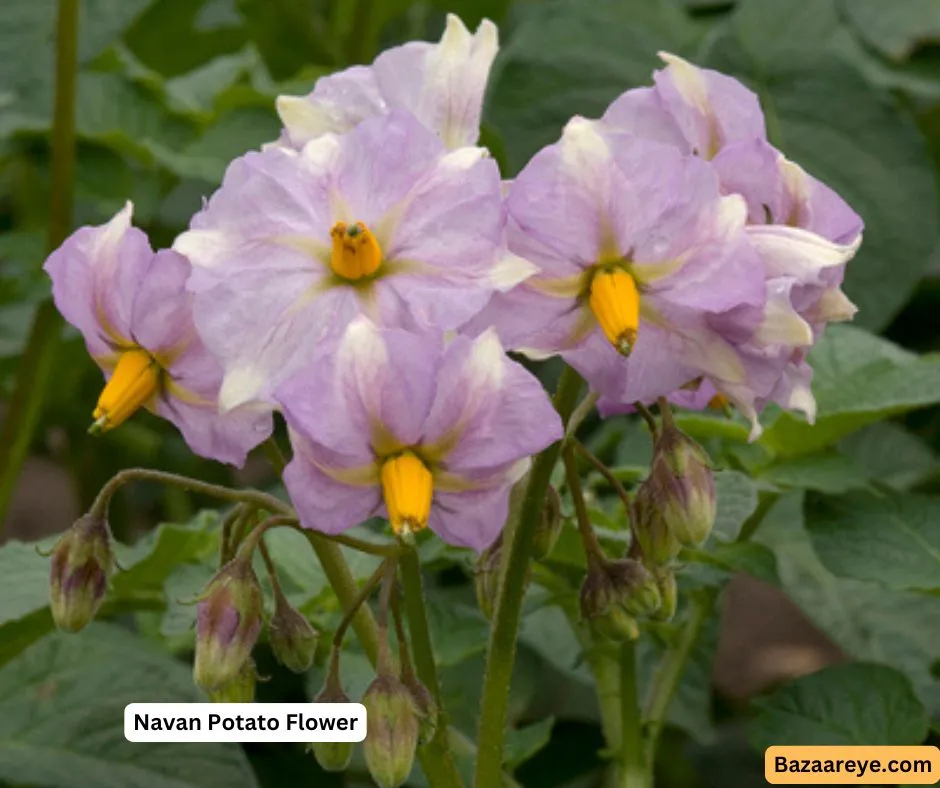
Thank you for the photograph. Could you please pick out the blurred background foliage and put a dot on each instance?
(844, 563)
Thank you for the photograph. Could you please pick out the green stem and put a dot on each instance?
(254, 497)
(634, 772)
(436, 752)
(35, 365)
(274, 455)
(592, 546)
(502, 647)
(671, 668)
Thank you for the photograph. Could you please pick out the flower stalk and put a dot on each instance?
(502, 647)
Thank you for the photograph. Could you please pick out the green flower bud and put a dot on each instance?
(486, 577)
(333, 756)
(681, 488)
(392, 737)
(82, 563)
(425, 706)
(614, 594)
(549, 526)
(658, 544)
(241, 689)
(228, 620)
(666, 580)
(293, 639)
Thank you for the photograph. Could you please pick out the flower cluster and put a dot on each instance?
(365, 273)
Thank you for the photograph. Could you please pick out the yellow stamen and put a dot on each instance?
(719, 402)
(407, 485)
(356, 253)
(135, 380)
(615, 302)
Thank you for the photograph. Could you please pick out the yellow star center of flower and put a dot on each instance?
(355, 254)
(135, 381)
(407, 486)
(615, 302)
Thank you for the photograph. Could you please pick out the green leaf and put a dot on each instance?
(737, 500)
(892, 539)
(825, 116)
(458, 631)
(896, 29)
(827, 472)
(703, 426)
(523, 743)
(717, 565)
(859, 379)
(853, 703)
(866, 620)
(569, 57)
(62, 718)
(892, 455)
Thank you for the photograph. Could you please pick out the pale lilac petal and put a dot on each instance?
(337, 104)
(643, 113)
(442, 84)
(322, 502)
(470, 519)
(95, 276)
(490, 409)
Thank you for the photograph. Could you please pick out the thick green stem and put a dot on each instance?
(502, 647)
(672, 666)
(633, 766)
(36, 363)
(437, 751)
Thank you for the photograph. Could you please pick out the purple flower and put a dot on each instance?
(382, 221)
(441, 84)
(132, 307)
(637, 251)
(802, 231)
(386, 422)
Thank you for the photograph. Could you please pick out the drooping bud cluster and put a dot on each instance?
(228, 621)
(241, 689)
(393, 730)
(676, 504)
(293, 639)
(333, 756)
(615, 594)
(82, 562)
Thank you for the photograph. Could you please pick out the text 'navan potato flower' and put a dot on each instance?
(133, 310)
(402, 425)
(381, 221)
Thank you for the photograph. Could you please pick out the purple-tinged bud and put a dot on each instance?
(486, 577)
(668, 592)
(425, 706)
(82, 562)
(657, 542)
(614, 594)
(681, 488)
(293, 639)
(228, 620)
(392, 736)
(241, 689)
(333, 756)
(549, 526)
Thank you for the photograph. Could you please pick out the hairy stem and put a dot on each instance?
(439, 746)
(502, 647)
(592, 546)
(634, 773)
(34, 370)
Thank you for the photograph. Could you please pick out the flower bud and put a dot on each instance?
(241, 689)
(657, 542)
(82, 562)
(425, 706)
(228, 620)
(333, 756)
(614, 594)
(666, 580)
(681, 488)
(486, 577)
(549, 526)
(293, 639)
(392, 737)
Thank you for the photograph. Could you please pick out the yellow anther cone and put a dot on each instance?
(356, 253)
(135, 380)
(615, 302)
(407, 485)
